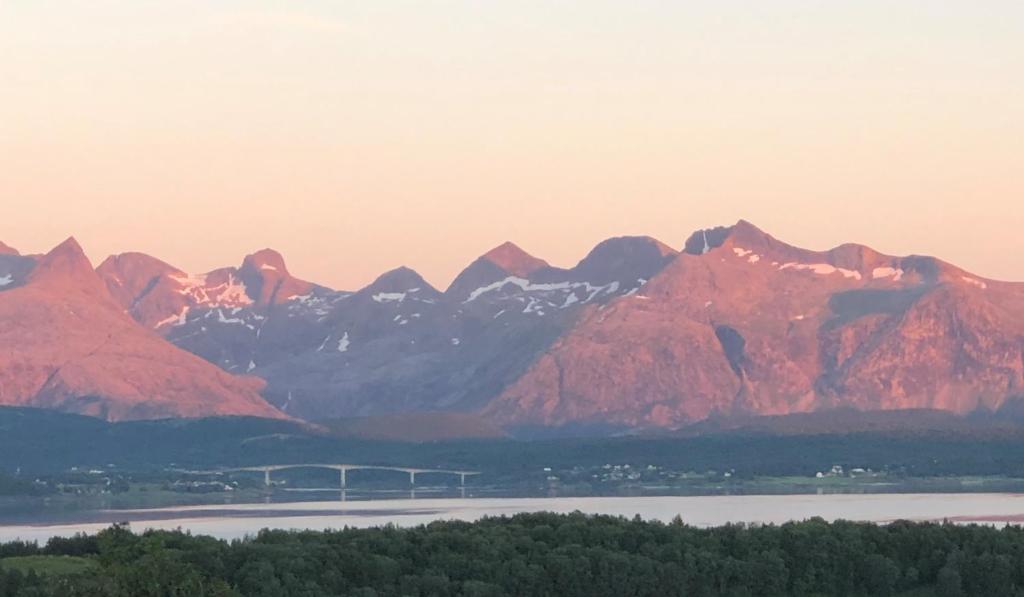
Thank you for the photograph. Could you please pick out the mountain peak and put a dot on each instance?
(742, 232)
(67, 257)
(500, 262)
(129, 276)
(625, 259)
(76, 350)
(7, 250)
(704, 240)
(857, 257)
(742, 224)
(66, 268)
(69, 246)
(134, 260)
(267, 280)
(265, 259)
(630, 244)
(400, 279)
(509, 257)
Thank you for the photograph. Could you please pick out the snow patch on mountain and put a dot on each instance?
(525, 285)
(176, 320)
(887, 272)
(226, 294)
(532, 307)
(823, 269)
(750, 255)
(974, 282)
(221, 318)
(390, 297)
(316, 304)
(522, 283)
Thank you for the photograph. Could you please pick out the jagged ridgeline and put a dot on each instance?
(636, 335)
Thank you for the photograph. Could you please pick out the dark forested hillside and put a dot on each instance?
(532, 554)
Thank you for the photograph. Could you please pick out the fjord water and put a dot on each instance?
(236, 521)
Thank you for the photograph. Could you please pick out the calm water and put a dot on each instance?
(234, 521)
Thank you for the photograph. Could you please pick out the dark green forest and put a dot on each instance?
(531, 554)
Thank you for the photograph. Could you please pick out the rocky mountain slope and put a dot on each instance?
(741, 323)
(66, 344)
(397, 345)
(736, 324)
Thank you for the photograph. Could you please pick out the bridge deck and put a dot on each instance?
(348, 467)
(343, 469)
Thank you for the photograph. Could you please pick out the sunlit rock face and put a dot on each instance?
(745, 324)
(67, 344)
(636, 334)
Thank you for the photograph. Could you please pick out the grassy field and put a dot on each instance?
(49, 565)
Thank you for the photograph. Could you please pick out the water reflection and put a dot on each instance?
(238, 520)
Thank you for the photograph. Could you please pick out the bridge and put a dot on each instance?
(343, 470)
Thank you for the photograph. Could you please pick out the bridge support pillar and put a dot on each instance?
(462, 479)
(343, 484)
(266, 477)
(412, 477)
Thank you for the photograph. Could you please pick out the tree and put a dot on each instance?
(948, 583)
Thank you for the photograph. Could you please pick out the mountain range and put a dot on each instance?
(67, 344)
(637, 335)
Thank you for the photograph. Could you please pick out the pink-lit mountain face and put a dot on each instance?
(741, 323)
(66, 344)
(158, 294)
(635, 335)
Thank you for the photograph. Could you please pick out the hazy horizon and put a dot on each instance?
(358, 137)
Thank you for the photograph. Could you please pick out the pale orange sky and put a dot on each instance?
(358, 136)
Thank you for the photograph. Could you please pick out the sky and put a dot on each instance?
(358, 136)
